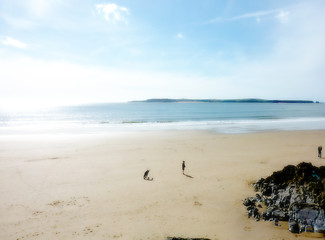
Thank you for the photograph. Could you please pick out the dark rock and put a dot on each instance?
(281, 215)
(251, 210)
(258, 184)
(319, 224)
(266, 190)
(295, 194)
(256, 215)
(258, 197)
(179, 238)
(293, 226)
(249, 201)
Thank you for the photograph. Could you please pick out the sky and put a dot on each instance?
(67, 52)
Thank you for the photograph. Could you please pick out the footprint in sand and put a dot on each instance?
(118, 236)
(87, 230)
(37, 213)
(30, 235)
(247, 228)
(90, 229)
(80, 202)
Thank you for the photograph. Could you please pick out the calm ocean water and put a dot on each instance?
(133, 116)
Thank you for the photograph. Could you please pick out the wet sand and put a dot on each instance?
(92, 187)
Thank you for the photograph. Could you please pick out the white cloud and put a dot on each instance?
(13, 42)
(257, 15)
(280, 14)
(283, 16)
(112, 12)
(253, 15)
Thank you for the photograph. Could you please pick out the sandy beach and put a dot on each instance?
(92, 187)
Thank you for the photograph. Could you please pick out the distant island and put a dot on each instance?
(246, 100)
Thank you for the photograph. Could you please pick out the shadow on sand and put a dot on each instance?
(189, 176)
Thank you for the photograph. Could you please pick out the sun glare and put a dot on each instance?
(26, 106)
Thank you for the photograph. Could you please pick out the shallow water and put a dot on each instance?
(133, 116)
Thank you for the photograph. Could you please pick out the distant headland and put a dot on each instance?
(245, 100)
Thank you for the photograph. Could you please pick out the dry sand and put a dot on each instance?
(91, 186)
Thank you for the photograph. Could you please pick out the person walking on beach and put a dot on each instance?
(183, 166)
(320, 148)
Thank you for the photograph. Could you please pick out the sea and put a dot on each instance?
(227, 118)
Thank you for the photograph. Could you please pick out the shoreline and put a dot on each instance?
(91, 186)
(148, 133)
(140, 128)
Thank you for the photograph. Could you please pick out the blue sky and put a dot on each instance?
(59, 52)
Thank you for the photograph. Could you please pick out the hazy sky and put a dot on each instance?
(72, 51)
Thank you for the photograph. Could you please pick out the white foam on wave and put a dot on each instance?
(225, 126)
(219, 126)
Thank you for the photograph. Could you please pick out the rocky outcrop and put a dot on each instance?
(178, 238)
(295, 194)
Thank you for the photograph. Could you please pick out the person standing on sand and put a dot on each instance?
(183, 166)
(320, 148)
(145, 176)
